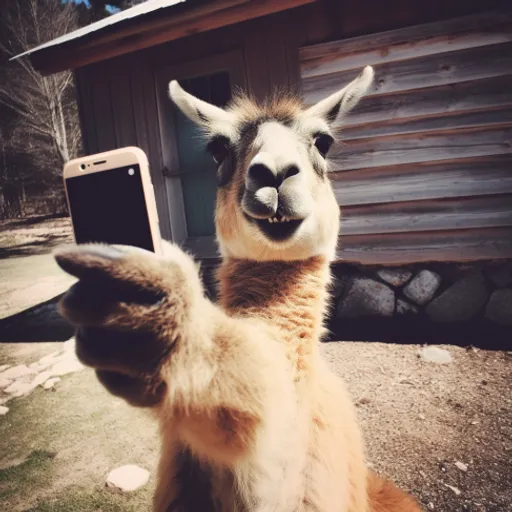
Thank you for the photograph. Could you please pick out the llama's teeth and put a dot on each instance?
(284, 219)
(270, 220)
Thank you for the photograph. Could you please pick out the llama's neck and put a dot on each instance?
(290, 295)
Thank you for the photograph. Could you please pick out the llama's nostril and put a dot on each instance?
(259, 176)
(293, 170)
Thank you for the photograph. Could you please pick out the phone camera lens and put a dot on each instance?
(82, 167)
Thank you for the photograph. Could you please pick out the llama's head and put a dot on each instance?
(274, 199)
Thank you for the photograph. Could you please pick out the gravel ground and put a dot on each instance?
(419, 419)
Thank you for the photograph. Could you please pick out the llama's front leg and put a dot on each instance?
(223, 387)
(131, 309)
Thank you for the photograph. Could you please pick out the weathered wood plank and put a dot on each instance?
(430, 180)
(139, 111)
(399, 249)
(429, 71)
(501, 115)
(294, 34)
(256, 64)
(444, 214)
(122, 108)
(421, 147)
(275, 48)
(454, 25)
(148, 90)
(409, 43)
(102, 105)
(486, 93)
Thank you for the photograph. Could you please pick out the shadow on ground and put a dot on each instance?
(40, 246)
(418, 331)
(39, 323)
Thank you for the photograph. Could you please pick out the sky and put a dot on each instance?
(110, 8)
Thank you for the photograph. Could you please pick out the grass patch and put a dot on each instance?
(91, 431)
(81, 500)
(36, 466)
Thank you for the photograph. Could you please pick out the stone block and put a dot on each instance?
(501, 275)
(337, 287)
(423, 287)
(405, 308)
(461, 301)
(367, 297)
(499, 307)
(395, 276)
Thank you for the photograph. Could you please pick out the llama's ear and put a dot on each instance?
(197, 110)
(341, 102)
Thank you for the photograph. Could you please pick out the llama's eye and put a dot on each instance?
(219, 149)
(323, 142)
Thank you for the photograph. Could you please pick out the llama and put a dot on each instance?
(251, 418)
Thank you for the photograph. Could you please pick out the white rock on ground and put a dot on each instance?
(16, 371)
(40, 379)
(67, 365)
(69, 345)
(50, 383)
(128, 478)
(422, 287)
(48, 359)
(18, 389)
(3, 410)
(454, 489)
(4, 383)
(462, 466)
(395, 277)
(21, 380)
(435, 355)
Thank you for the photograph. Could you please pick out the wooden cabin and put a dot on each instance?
(424, 171)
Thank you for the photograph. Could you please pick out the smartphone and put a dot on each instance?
(111, 199)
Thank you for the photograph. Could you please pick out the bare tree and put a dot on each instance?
(47, 118)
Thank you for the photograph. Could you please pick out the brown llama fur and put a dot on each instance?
(251, 418)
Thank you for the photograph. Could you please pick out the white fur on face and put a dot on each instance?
(312, 199)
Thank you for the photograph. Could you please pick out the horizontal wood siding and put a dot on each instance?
(454, 245)
(423, 170)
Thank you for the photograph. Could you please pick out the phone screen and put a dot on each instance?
(110, 207)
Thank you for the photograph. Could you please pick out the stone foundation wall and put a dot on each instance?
(441, 293)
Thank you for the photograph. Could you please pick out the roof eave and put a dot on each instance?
(118, 41)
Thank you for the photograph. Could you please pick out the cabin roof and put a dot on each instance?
(115, 21)
(144, 25)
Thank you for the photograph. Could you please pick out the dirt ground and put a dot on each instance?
(419, 418)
